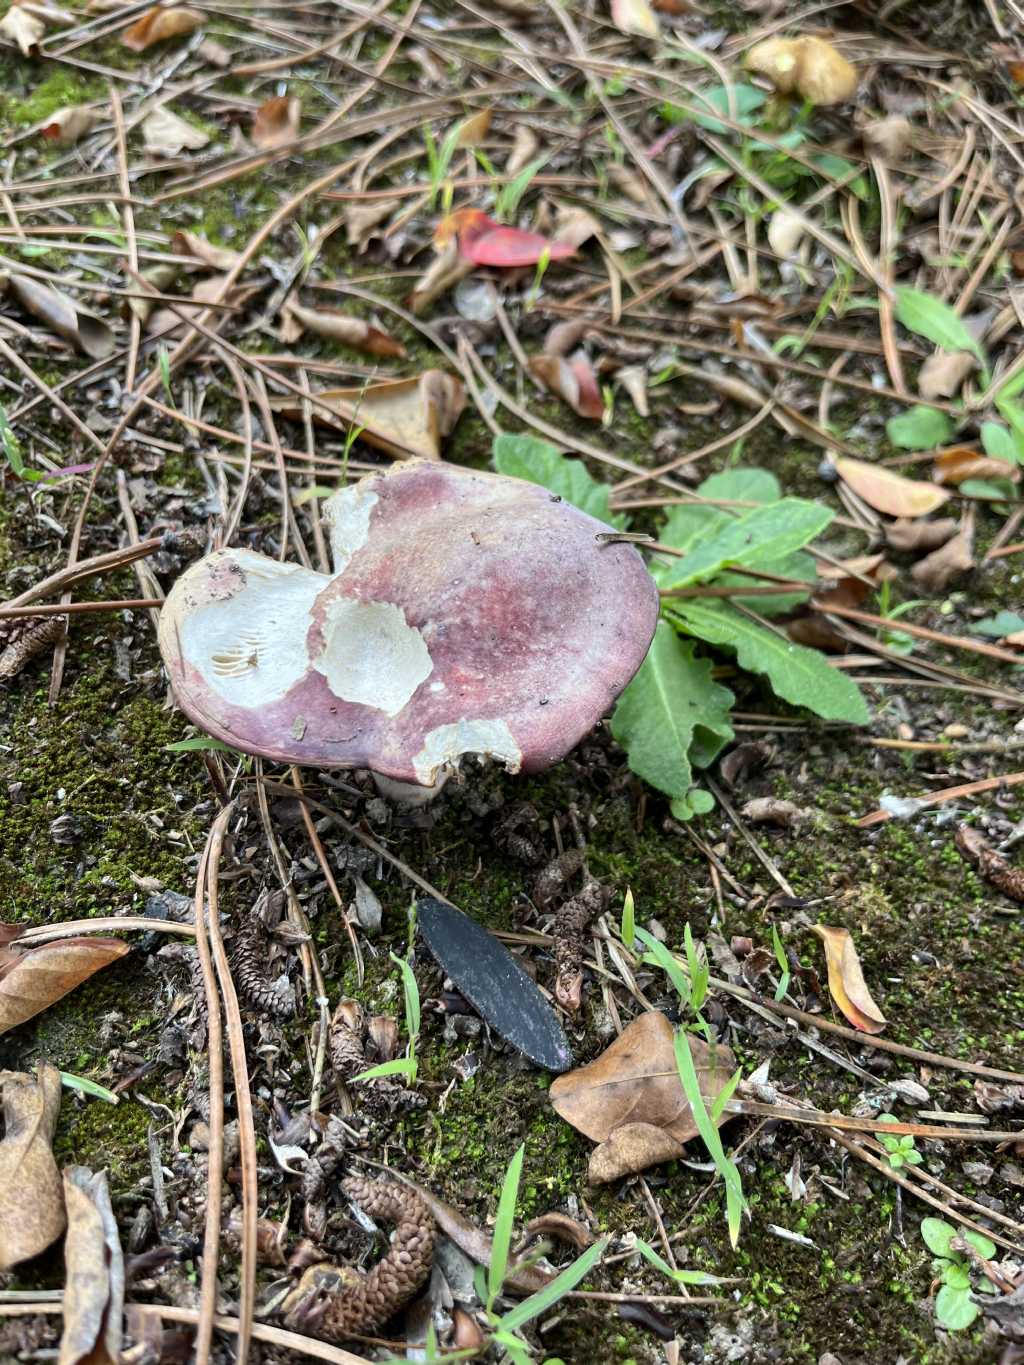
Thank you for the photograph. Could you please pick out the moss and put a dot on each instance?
(61, 87)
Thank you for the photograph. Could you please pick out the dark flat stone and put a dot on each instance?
(494, 983)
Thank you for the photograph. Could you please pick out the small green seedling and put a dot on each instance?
(955, 1308)
(627, 927)
(902, 1151)
(783, 961)
(683, 1277)
(406, 1066)
(505, 1329)
(11, 447)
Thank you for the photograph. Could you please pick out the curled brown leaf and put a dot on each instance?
(94, 1290)
(349, 331)
(61, 315)
(276, 122)
(31, 1197)
(160, 23)
(846, 979)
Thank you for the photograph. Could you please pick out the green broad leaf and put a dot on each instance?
(657, 716)
(551, 1293)
(956, 1276)
(501, 1242)
(980, 1243)
(919, 429)
(991, 490)
(1003, 623)
(198, 744)
(696, 802)
(687, 525)
(761, 535)
(954, 1308)
(797, 675)
(798, 565)
(838, 168)
(937, 1234)
(1001, 444)
(747, 100)
(742, 484)
(929, 317)
(527, 457)
(1014, 414)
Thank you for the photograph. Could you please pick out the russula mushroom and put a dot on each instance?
(468, 613)
(808, 67)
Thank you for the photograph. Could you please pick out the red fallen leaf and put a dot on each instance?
(31, 982)
(485, 242)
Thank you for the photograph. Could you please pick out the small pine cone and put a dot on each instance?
(558, 872)
(248, 968)
(569, 929)
(47, 630)
(395, 1279)
(992, 865)
(518, 835)
(347, 1055)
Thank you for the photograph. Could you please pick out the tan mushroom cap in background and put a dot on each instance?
(469, 613)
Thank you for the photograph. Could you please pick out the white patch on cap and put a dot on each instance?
(371, 654)
(347, 514)
(251, 648)
(490, 738)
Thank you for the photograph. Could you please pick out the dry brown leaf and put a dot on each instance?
(33, 981)
(61, 315)
(214, 53)
(919, 536)
(94, 1288)
(22, 29)
(955, 557)
(635, 17)
(846, 980)
(958, 463)
(475, 129)
(160, 23)
(524, 149)
(276, 122)
(635, 1084)
(575, 225)
(448, 267)
(168, 321)
(630, 183)
(888, 137)
(888, 492)
(633, 1147)
(402, 417)
(572, 380)
(165, 133)
(943, 372)
(31, 1198)
(216, 257)
(349, 331)
(67, 126)
(161, 277)
(361, 219)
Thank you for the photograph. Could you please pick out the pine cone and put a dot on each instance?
(569, 930)
(347, 1056)
(992, 865)
(248, 968)
(393, 1281)
(47, 630)
(556, 874)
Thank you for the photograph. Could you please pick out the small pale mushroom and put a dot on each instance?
(808, 66)
(468, 613)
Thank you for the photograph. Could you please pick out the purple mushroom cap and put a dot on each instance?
(468, 613)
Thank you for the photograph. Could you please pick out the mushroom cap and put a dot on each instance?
(468, 613)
